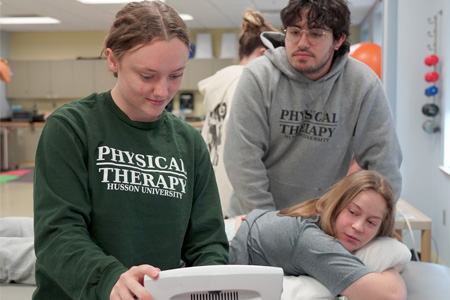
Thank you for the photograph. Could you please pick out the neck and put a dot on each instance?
(256, 53)
(244, 61)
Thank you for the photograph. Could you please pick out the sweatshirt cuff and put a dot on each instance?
(108, 279)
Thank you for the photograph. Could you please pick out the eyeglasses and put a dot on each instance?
(314, 36)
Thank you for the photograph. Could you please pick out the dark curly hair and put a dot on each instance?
(332, 14)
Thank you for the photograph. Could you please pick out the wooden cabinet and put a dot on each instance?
(19, 86)
(61, 82)
(40, 79)
(72, 79)
(83, 83)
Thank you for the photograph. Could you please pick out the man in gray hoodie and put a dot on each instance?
(303, 110)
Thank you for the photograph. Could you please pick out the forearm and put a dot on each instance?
(62, 207)
(80, 274)
(205, 242)
(65, 251)
(388, 285)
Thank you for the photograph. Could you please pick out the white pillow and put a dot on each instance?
(304, 288)
(383, 253)
(380, 254)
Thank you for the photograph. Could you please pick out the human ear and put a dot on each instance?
(112, 61)
(339, 42)
(262, 50)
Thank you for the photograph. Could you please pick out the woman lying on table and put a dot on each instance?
(318, 238)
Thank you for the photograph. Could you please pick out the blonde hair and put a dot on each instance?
(253, 25)
(341, 194)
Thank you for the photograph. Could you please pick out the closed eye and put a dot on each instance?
(146, 77)
(372, 223)
(175, 76)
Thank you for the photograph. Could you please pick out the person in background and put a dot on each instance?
(302, 110)
(122, 188)
(218, 91)
(318, 238)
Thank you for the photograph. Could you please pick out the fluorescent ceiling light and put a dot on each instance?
(186, 17)
(29, 20)
(110, 1)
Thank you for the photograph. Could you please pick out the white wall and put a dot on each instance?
(370, 26)
(424, 185)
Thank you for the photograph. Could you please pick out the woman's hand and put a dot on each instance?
(131, 284)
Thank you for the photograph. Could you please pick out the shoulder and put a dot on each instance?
(260, 63)
(217, 84)
(225, 73)
(182, 131)
(229, 73)
(271, 66)
(256, 213)
(260, 69)
(79, 116)
(171, 120)
(269, 219)
(80, 107)
(232, 69)
(356, 70)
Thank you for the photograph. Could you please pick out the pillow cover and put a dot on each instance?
(380, 254)
(383, 253)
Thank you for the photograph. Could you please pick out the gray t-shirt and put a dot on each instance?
(298, 246)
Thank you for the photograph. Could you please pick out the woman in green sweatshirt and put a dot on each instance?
(123, 188)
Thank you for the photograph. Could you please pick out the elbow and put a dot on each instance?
(397, 293)
(375, 286)
(398, 296)
(402, 295)
(400, 291)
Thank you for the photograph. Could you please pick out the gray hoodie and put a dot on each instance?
(289, 138)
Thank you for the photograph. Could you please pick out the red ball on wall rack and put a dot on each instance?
(431, 76)
(431, 60)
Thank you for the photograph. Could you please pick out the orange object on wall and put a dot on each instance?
(5, 72)
(368, 53)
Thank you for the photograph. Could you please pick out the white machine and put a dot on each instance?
(223, 282)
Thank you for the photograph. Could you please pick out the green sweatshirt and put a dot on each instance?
(111, 193)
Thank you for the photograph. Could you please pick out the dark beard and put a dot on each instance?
(320, 66)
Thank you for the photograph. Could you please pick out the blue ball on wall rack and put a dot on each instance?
(431, 91)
